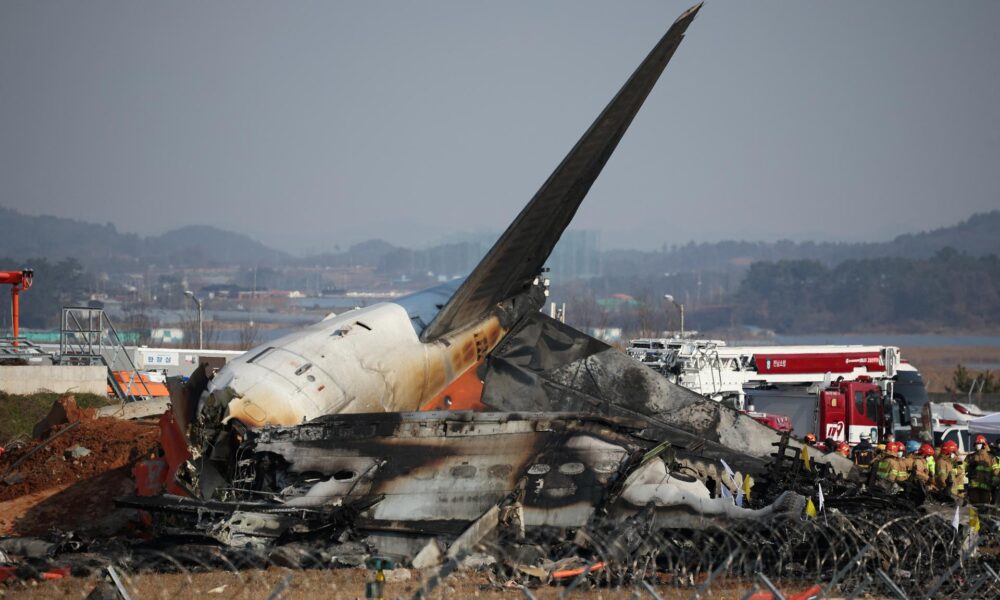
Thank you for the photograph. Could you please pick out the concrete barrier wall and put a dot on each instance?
(59, 379)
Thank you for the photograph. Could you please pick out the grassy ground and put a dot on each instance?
(18, 414)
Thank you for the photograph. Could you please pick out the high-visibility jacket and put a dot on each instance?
(899, 469)
(883, 467)
(949, 476)
(980, 466)
(923, 468)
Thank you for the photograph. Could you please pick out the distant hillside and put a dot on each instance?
(976, 236)
(204, 244)
(979, 235)
(103, 247)
(55, 238)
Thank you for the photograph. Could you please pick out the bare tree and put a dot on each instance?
(249, 334)
(210, 330)
(139, 323)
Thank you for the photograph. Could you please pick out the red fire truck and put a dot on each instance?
(804, 388)
(851, 408)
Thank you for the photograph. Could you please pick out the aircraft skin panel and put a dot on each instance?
(365, 360)
(518, 256)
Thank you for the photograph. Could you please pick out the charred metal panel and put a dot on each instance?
(450, 466)
(547, 365)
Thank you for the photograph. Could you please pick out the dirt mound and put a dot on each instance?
(88, 449)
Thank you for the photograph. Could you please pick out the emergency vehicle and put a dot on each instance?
(808, 387)
(950, 421)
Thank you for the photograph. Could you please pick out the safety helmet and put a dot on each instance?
(912, 446)
(926, 450)
(844, 448)
(810, 438)
(865, 437)
(949, 447)
(981, 439)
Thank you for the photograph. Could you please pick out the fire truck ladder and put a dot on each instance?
(708, 358)
(87, 337)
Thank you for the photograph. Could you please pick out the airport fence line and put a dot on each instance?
(832, 555)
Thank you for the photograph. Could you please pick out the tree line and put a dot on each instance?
(947, 291)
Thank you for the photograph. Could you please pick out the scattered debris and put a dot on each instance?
(76, 451)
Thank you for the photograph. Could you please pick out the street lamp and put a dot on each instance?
(679, 306)
(201, 339)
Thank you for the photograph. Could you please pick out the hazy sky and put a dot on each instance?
(314, 124)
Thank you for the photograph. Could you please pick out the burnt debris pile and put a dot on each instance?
(525, 501)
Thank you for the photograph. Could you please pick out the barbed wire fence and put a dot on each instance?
(836, 554)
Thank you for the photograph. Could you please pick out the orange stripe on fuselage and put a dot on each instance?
(465, 393)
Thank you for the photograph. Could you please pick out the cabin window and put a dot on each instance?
(859, 403)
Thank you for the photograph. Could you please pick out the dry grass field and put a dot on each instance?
(938, 364)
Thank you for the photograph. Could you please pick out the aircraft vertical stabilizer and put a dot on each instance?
(518, 256)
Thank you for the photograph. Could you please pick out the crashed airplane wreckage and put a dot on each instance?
(414, 419)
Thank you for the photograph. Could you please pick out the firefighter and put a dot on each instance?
(887, 462)
(811, 439)
(996, 471)
(949, 476)
(863, 454)
(900, 465)
(844, 449)
(923, 465)
(980, 467)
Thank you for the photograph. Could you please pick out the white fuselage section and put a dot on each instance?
(365, 360)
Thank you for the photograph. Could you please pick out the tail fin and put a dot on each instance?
(518, 256)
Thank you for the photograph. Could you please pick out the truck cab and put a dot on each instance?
(956, 433)
(848, 409)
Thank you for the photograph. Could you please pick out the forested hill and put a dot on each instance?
(948, 291)
(979, 235)
(103, 247)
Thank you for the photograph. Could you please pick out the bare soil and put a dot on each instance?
(112, 444)
(338, 584)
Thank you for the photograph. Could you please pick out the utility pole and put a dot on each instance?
(201, 338)
(680, 307)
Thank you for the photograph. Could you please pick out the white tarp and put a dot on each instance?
(989, 424)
